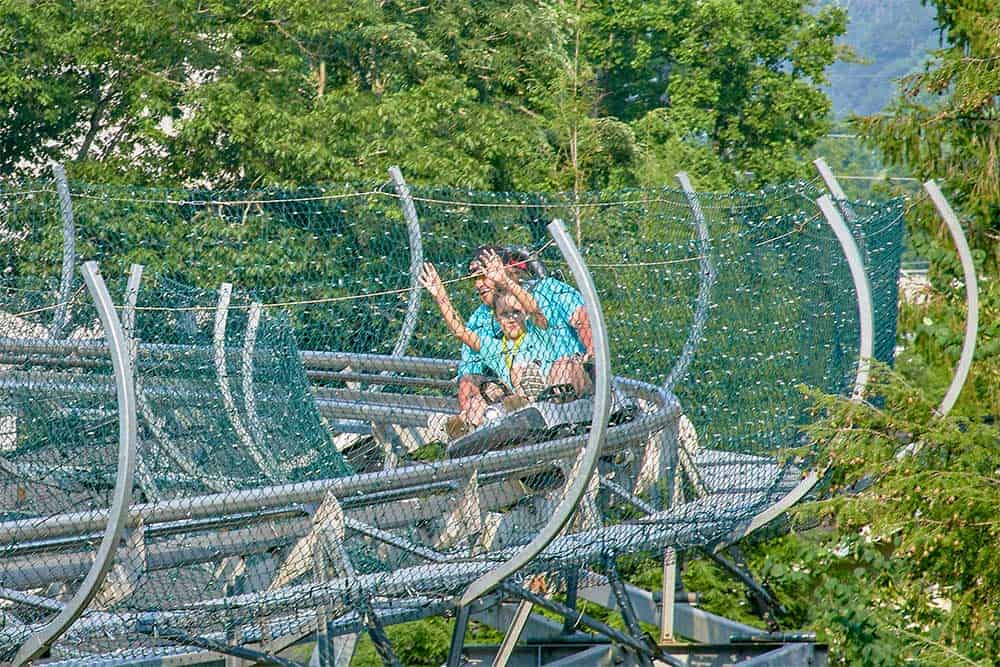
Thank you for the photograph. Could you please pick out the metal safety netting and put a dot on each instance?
(353, 405)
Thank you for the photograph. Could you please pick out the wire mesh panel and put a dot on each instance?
(59, 441)
(306, 467)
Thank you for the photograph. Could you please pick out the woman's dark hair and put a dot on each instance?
(523, 259)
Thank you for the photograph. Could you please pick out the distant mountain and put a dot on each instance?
(894, 36)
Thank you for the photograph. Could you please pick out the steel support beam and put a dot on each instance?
(458, 637)
(416, 261)
(971, 297)
(572, 590)
(575, 487)
(624, 603)
(62, 311)
(513, 634)
(117, 516)
(381, 641)
(862, 289)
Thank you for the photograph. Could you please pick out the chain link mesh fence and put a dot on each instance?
(308, 463)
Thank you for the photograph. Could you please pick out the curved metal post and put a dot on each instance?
(261, 457)
(598, 426)
(833, 185)
(416, 261)
(39, 642)
(866, 316)
(128, 310)
(708, 275)
(862, 290)
(155, 425)
(62, 312)
(971, 297)
(778, 508)
(246, 363)
(144, 476)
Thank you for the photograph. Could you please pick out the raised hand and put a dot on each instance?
(431, 281)
(494, 268)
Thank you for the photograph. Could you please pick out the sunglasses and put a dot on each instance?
(511, 315)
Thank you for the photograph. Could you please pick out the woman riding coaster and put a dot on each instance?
(527, 347)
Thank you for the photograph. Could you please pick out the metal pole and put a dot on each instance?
(513, 634)
(144, 477)
(416, 261)
(667, 597)
(789, 499)
(572, 590)
(258, 657)
(598, 426)
(458, 637)
(62, 311)
(261, 457)
(345, 487)
(246, 369)
(708, 275)
(833, 185)
(971, 297)
(625, 607)
(862, 290)
(118, 514)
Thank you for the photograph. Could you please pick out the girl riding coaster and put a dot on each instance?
(529, 356)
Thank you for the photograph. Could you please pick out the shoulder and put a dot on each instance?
(555, 291)
(481, 317)
(553, 285)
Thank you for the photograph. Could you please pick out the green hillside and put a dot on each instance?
(892, 37)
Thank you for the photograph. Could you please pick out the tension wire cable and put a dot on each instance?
(392, 195)
(53, 306)
(331, 299)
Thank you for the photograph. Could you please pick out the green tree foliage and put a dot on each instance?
(917, 541)
(739, 77)
(308, 92)
(89, 81)
(945, 125)
(898, 565)
(492, 95)
(894, 564)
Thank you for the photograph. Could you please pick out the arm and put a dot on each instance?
(496, 272)
(580, 321)
(432, 282)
